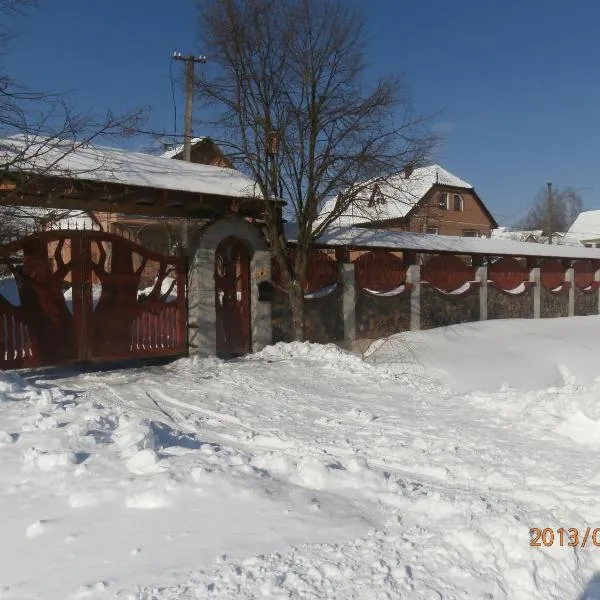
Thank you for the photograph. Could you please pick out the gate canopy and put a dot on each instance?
(71, 175)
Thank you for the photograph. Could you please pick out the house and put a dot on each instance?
(520, 235)
(164, 234)
(203, 152)
(585, 229)
(422, 200)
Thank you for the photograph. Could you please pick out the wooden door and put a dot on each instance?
(232, 298)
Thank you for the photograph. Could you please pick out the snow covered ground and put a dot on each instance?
(306, 472)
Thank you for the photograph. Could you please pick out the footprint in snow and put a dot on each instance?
(38, 528)
(6, 439)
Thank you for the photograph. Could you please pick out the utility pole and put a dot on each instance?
(189, 61)
(550, 211)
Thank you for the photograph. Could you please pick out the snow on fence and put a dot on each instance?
(368, 291)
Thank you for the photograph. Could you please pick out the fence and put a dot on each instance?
(376, 292)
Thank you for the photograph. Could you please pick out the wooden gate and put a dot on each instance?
(69, 296)
(232, 298)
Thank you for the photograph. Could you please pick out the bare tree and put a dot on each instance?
(564, 206)
(35, 126)
(288, 76)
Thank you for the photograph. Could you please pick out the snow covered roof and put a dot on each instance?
(356, 237)
(586, 226)
(518, 235)
(398, 194)
(115, 165)
(179, 149)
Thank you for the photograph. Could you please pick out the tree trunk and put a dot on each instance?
(297, 305)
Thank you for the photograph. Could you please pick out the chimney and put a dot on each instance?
(407, 171)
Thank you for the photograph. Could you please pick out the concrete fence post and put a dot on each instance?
(535, 277)
(262, 329)
(570, 277)
(346, 275)
(597, 278)
(481, 275)
(413, 276)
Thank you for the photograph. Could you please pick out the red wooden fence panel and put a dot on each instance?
(508, 273)
(379, 271)
(447, 272)
(552, 274)
(321, 271)
(584, 274)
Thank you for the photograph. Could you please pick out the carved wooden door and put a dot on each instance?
(232, 298)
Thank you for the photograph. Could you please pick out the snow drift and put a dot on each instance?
(306, 472)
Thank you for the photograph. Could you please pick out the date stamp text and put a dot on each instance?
(572, 537)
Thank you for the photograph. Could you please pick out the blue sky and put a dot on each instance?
(514, 84)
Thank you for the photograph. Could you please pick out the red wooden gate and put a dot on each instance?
(232, 298)
(68, 296)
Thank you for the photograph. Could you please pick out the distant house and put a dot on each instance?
(423, 200)
(520, 235)
(165, 234)
(203, 152)
(585, 229)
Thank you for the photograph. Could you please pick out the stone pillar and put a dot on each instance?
(481, 275)
(534, 276)
(202, 318)
(413, 276)
(597, 278)
(570, 277)
(262, 329)
(346, 276)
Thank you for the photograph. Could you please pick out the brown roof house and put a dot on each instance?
(203, 152)
(423, 200)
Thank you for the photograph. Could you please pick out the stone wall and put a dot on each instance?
(281, 318)
(505, 305)
(586, 303)
(439, 309)
(554, 304)
(381, 316)
(323, 318)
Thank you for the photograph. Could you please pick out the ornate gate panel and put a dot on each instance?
(232, 298)
(135, 300)
(68, 296)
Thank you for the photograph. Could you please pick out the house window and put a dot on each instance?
(470, 233)
(433, 230)
(444, 201)
(458, 202)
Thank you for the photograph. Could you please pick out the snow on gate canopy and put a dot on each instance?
(83, 176)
